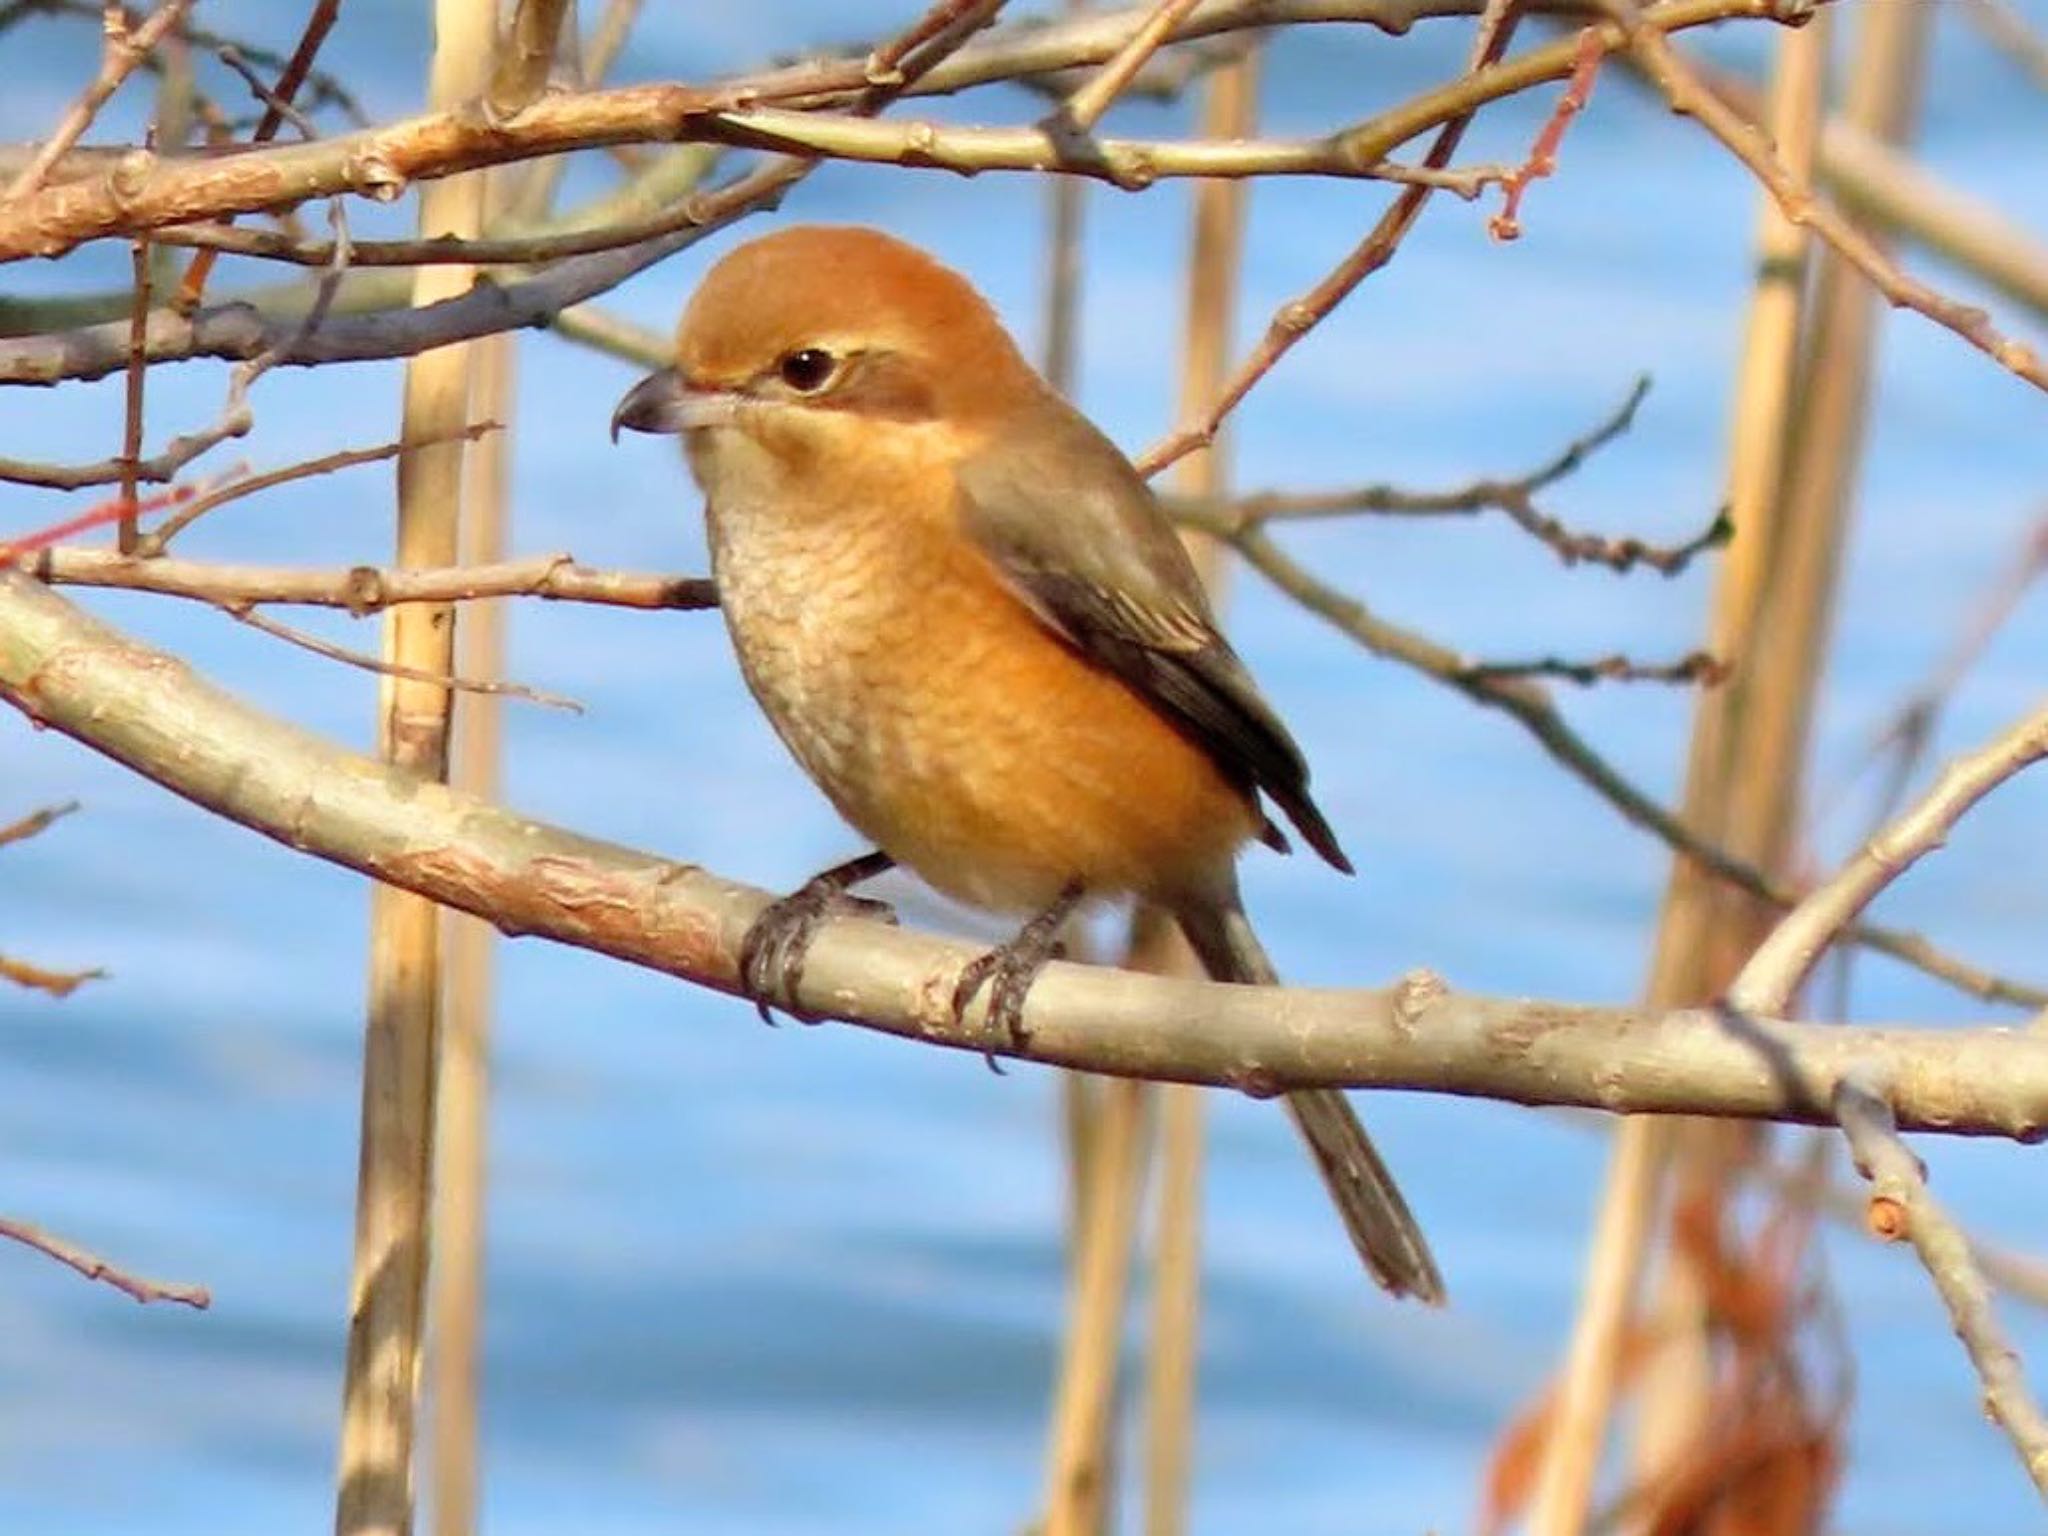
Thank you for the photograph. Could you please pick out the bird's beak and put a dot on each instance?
(663, 403)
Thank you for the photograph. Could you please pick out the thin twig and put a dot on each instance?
(36, 978)
(319, 21)
(131, 425)
(95, 516)
(1773, 975)
(1688, 95)
(366, 589)
(158, 539)
(125, 48)
(1902, 1205)
(382, 162)
(1531, 708)
(1542, 161)
(1080, 112)
(93, 1267)
(1297, 318)
(35, 823)
(1698, 667)
(257, 619)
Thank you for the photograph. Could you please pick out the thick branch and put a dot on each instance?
(150, 712)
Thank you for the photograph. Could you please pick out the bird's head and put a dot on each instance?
(817, 348)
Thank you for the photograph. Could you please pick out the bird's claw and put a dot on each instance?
(1008, 971)
(773, 952)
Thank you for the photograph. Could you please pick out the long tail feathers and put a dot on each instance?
(1382, 1228)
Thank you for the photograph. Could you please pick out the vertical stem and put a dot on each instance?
(1076, 1495)
(1696, 907)
(1066, 203)
(1216, 248)
(456, 1304)
(400, 1047)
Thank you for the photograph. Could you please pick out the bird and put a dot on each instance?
(973, 625)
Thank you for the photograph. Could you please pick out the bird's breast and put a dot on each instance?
(948, 725)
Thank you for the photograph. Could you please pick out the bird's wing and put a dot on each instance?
(1075, 533)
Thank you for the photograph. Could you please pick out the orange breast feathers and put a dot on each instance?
(946, 722)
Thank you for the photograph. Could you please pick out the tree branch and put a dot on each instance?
(365, 589)
(150, 712)
(1902, 1206)
(143, 191)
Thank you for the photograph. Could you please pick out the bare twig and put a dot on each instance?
(1688, 95)
(1080, 112)
(1773, 975)
(95, 516)
(365, 589)
(326, 90)
(256, 619)
(36, 978)
(1901, 1204)
(163, 190)
(1533, 709)
(1693, 667)
(35, 823)
(158, 539)
(125, 48)
(1542, 161)
(93, 1267)
(276, 103)
(1296, 319)
(131, 425)
(1909, 730)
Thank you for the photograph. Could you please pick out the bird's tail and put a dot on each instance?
(1382, 1228)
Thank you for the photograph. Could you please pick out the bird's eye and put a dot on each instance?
(806, 370)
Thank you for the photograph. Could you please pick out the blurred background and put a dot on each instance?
(810, 1279)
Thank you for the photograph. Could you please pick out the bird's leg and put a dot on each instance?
(1008, 970)
(772, 953)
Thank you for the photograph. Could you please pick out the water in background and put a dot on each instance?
(809, 1280)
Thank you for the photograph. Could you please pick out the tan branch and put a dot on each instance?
(1688, 94)
(1901, 1203)
(1532, 708)
(150, 712)
(1773, 975)
(364, 589)
(124, 50)
(147, 191)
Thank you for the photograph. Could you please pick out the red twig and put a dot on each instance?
(112, 510)
(1542, 161)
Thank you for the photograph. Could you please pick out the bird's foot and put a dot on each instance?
(772, 954)
(1008, 972)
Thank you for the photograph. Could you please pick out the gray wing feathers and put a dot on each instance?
(1075, 533)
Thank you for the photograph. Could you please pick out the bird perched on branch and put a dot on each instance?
(968, 618)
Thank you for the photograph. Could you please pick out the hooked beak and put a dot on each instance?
(663, 403)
